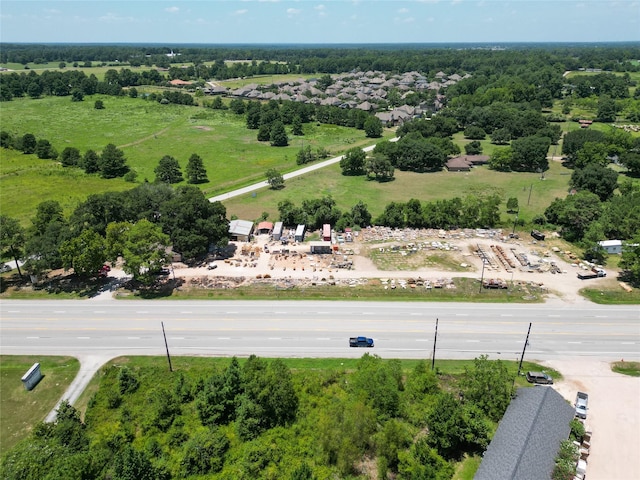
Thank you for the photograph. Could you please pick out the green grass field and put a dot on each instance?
(145, 131)
(20, 410)
(347, 190)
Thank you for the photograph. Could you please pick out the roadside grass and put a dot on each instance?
(467, 468)
(627, 368)
(534, 195)
(21, 410)
(466, 290)
(611, 296)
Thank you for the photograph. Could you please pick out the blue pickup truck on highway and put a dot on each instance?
(360, 342)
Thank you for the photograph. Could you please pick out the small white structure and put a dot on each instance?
(612, 246)
(300, 230)
(32, 377)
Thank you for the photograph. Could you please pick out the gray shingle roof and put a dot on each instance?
(528, 437)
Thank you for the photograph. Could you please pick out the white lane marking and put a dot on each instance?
(83, 338)
(33, 338)
(142, 311)
(176, 338)
(321, 338)
(473, 341)
(223, 338)
(462, 314)
(627, 343)
(187, 311)
(133, 338)
(59, 311)
(275, 338)
(422, 339)
(575, 343)
(416, 313)
(506, 315)
(553, 316)
(99, 311)
(231, 313)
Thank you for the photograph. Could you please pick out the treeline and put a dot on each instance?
(336, 59)
(470, 212)
(257, 419)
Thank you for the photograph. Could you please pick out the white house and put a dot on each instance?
(612, 246)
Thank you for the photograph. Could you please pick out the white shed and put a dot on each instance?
(612, 246)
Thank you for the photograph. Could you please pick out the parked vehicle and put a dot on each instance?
(212, 265)
(360, 342)
(595, 272)
(104, 271)
(582, 399)
(539, 377)
(537, 235)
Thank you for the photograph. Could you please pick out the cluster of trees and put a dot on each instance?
(316, 212)
(137, 225)
(377, 166)
(168, 170)
(470, 212)
(307, 155)
(614, 86)
(53, 82)
(110, 163)
(258, 419)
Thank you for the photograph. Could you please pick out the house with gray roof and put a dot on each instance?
(528, 437)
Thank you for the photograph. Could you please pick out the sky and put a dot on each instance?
(174, 22)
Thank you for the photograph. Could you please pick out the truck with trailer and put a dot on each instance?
(361, 342)
(593, 273)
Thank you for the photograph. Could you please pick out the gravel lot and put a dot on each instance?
(613, 416)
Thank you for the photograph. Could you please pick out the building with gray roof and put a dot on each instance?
(528, 437)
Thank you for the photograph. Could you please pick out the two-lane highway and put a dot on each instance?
(318, 329)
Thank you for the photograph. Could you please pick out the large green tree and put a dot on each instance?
(352, 162)
(529, 154)
(168, 170)
(112, 162)
(196, 173)
(143, 248)
(12, 239)
(597, 179)
(373, 127)
(85, 253)
(630, 261)
(193, 223)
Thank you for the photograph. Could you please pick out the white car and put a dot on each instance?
(212, 265)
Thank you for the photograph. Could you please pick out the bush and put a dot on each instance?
(127, 381)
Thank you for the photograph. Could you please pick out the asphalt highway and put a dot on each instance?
(319, 329)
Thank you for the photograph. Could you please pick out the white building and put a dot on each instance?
(612, 246)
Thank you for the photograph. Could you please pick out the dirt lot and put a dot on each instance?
(432, 255)
(613, 416)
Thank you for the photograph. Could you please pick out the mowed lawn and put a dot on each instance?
(145, 131)
(20, 409)
(533, 193)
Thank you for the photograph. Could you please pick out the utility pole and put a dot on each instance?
(529, 199)
(435, 339)
(526, 342)
(483, 262)
(166, 346)
(514, 222)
